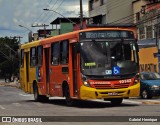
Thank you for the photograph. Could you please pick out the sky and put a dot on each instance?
(30, 12)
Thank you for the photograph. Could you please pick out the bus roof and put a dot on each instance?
(70, 35)
(30, 44)
(75, 34)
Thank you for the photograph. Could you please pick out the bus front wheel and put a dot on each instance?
(69, 100)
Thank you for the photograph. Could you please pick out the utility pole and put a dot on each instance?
(17, 37)
(29, 34)
(81, 15)
(42, 25)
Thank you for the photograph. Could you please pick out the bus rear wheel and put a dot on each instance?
(69, 100)
(116, 101)
(37, 97)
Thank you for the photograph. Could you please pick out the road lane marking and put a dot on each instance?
(16, 104)
(38, 104)
(2, 107)
(24, 94)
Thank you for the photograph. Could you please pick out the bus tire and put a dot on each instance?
(69, 100)
(37, 97)
(116, 101)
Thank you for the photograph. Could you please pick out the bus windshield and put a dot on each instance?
(100, 57)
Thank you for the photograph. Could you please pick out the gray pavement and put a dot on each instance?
(14, 102)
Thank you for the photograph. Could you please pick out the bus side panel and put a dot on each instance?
(32, 77)
(24, 74)
(41, 80)
(56, 80)
(22, 79)
(41, 76)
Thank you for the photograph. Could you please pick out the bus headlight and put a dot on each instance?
(137, 79)
(85, 81)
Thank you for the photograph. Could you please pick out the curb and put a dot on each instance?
(10, 85)
(151, 102)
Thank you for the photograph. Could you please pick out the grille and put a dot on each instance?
(111, 86)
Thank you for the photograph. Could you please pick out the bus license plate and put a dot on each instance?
(112, 93)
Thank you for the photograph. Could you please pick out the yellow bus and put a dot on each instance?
(27, 71)
(94, 63)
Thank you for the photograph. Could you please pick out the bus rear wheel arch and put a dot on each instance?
(66, 94)
(37, 96)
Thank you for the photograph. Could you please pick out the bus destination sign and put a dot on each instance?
(106, 34)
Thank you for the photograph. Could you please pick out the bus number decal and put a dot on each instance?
(125, 81)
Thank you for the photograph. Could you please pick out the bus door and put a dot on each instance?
(27, 70)
(46, 52)
(74, 69)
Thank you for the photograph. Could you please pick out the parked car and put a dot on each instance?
(150, 85)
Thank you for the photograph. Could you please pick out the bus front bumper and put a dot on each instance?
(92, 93)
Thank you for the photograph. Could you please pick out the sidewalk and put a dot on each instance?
(12, 84)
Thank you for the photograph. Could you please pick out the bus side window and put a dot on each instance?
(33, 57)
(55, 53)
(64, 51)
(22, 58)
(39, 55)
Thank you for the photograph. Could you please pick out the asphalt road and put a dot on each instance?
(14, 102)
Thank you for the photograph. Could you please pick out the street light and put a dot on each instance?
(29, 34)
(24, 27)
(42, 25)
(60, 15)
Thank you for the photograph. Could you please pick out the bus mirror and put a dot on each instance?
(137, 48)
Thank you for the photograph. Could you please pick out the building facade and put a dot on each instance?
(108, 11)
(147, 19)
(144, 13)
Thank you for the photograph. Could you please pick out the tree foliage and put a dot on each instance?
(9, 59)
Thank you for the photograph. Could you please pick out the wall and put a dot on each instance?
(55, 32)
(66, 27)
(98, 9)
(137, 6)
(147, 60)
(113, 9)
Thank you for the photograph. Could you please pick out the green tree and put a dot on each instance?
(9, 60)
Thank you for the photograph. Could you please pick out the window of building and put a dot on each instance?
(22, 58)
(55, 53)
(33, 56)
(154, 1)
(101, 2)
(142, 33)
(64, 50)
(39, 55)
(137, 17)
(149, 31)
(91, 5)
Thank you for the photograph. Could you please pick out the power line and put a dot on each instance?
(122, 18)
(128, 17)
(119, 4)
(41, 13)
(45, 19)
(54, 10)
